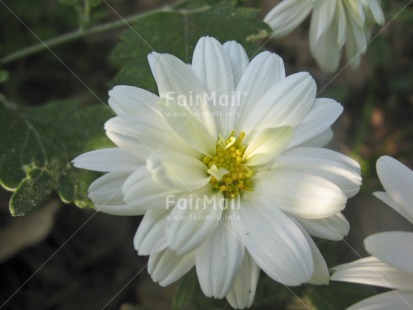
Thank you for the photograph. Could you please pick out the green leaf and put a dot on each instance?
(177, 33)
(37, 147)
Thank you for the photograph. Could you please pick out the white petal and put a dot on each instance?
(394, 248)
(150, 237)
(177, 82)
(287, 15)
(238, 59)
(321, 140)
(167, 267)
(267, 145)
(320, 274)
(106, 194)
(211, 65)
(219, 259)
(123, 137)
(129, 100)
(185, 124)
(340, 19)
(397, 180)
(300, 193)
(245, 284)
(176, 171)
(330, 165)
(325, 49)
(107, 160)
(274, 241)
(375, 10)
(323, 114)
(263, 72)
(331, 228)
(285, 104)
(141, 191)
(385, 197)
(372, 271)
(397, 300)
(322, 17)
(152, 132)
(193, 219)
(356, 44)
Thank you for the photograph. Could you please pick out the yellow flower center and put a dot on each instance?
(230, 175)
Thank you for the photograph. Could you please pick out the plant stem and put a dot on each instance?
(75, 35)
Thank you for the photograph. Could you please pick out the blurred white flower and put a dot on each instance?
(391, 265)
(334, 23)
(228, 168)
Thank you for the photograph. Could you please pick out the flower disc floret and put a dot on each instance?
(234, 175)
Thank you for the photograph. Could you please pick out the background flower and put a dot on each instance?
(258, 159)
(334, 23)
(391, 265)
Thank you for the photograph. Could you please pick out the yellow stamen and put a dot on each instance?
(228, 156)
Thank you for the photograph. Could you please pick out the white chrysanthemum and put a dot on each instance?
(227, 167)
(333, 24)
(392, 262)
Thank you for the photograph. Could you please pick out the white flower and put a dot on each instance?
(227, 167)
(392, 262)
(333, 24)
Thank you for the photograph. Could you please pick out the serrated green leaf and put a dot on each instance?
(37, 147)
(177, 33)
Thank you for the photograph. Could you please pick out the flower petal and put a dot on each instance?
(375, 10)
(141, 191)
(267, 145)
(238, 59)
(394, 248)
(325, 49)
(123, 137)
(178, 83)
(274, 241)
(397, 180)
(327, 164)
(322, 17)
(193, 219)
(152, 132)
(167, 267)
(320, 274)
(176, 171)
(150, 237)
(219, 259)
(287, 15)
(185, 124)
(372, 271)
(263, 72)
(106, 194)
(285, 104)
(390, 300)
(211, 65)
(107, 160)
(331, 228)
(323, 114)
(321, 140)
(299, 193)
(242, 293)
(129, 100)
